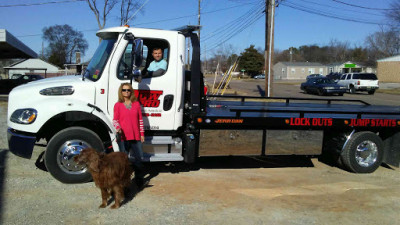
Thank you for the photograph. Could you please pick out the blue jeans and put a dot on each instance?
(135, 153)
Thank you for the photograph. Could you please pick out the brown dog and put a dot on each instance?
(111, 173)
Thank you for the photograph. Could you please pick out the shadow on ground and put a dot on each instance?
(153, 169)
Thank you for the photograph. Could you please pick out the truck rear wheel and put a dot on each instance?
(352, 90)
(61, 149)
(363, 153)
(371, 92)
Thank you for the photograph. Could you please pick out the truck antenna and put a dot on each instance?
(136, 11)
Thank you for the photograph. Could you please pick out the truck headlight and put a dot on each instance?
(63, 90)
(24, 116)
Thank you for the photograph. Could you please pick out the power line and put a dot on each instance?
(359, 6)
(342, 9)
(231, 25)
(240, 28)
(208, 12)
(329, 15)
(41, 3)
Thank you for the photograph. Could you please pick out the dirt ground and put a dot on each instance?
(216, 190)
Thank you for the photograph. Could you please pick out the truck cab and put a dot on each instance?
(75, 112)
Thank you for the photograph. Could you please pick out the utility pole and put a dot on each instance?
(269, 45)
(188, 55)
(199, 19)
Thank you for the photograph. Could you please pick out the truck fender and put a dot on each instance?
(108, 121)
(347, 140)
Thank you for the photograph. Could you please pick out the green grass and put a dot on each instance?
(393, 91)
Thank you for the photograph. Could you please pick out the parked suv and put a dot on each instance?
(360, 82)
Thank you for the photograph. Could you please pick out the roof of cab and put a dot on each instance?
(103, 33)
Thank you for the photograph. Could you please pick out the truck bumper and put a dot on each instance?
(366, 88)
(20, 144)
(335, 91)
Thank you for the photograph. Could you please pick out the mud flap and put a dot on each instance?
(190, 144)
(391, 146)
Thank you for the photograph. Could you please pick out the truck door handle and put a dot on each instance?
(168, 100)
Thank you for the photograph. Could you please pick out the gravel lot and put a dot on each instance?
(224, 190)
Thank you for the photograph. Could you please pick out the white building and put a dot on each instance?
(349, 67)
(36, 66)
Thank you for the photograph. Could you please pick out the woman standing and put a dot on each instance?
(129, 124)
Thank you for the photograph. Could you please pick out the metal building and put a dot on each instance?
(388, 69)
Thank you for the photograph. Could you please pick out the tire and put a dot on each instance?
(363, 153)
(371, 92)
(320, 92)
(340, 94)
(352, 90)
(61, 149)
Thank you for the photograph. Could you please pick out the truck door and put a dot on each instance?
(156, 93)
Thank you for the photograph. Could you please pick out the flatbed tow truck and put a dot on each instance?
(182, 123)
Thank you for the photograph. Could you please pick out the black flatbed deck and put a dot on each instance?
(297, 113)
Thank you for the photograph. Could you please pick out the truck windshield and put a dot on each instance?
(95, 68)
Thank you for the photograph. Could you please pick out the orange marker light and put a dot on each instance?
(346, 122)
(287, 121)
(199, 120)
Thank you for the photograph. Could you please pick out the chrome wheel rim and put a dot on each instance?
(66, 154)
(366, 153)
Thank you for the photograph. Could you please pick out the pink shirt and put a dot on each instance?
(129, 121)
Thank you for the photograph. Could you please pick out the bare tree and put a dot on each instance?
(127, 8)
(222, 53)
(394, 14)
(63, 41)
(339, 50)
(384, 43)
(101, 16)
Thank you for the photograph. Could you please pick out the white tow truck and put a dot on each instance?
(181, 123)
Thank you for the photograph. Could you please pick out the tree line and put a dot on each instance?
(381, 44)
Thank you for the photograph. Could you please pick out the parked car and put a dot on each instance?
(334, 76)
(314, 76)
(360, 82)
(16, 76)
(260, 76)
(322, 86)
(17, 79)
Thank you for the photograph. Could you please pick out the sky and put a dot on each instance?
(229, 24)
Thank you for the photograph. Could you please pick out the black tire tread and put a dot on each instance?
(348, 155)
(51, 153)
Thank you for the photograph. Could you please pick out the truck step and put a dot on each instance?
(163, 157)
(160, 140)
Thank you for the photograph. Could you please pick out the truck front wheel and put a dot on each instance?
(363, 153)
(61, 149)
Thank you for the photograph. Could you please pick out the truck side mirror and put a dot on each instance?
(137, 59)
(137, 53)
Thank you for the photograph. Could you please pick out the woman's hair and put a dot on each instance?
(121, 98)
